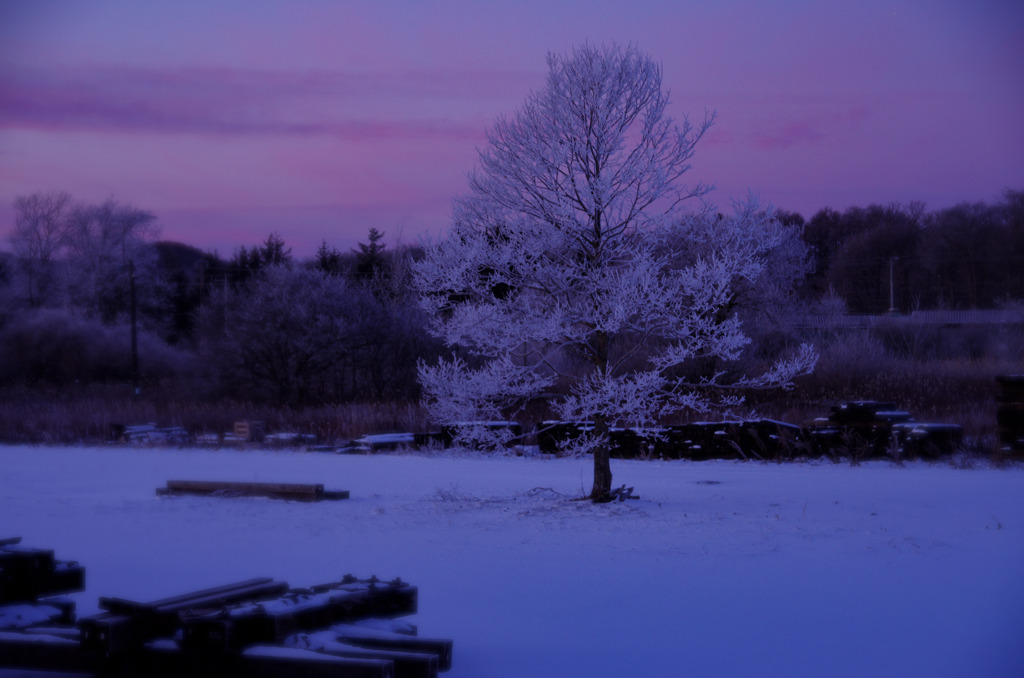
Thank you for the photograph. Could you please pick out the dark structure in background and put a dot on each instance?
(1010, 413)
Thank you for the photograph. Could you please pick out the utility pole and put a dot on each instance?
(135, 334)
(892, 292)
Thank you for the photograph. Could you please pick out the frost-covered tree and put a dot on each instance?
(279, 336)
(109, 244)
(572, 249)
(42, 229)
(301, 336)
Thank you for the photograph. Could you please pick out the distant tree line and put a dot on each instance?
(260, 325)
(969, 256)
(346, 325)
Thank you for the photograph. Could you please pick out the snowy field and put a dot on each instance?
(719, 569)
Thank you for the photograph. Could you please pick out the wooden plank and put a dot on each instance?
(17, 559)
(67, 577)
(250, 431)
(28, 573)
(218, 595)
(271, 621)
(246, 487)
(233, 625)
(29, 580)
(166, 660)
(296, 491)
(254, 591)
(408, 664)
(364, 636)
(106, 635)
(69, 632)
(128, 624)
(47, 612)
(41, 653)
(275, 662)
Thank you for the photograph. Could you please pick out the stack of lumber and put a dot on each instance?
(260, 628)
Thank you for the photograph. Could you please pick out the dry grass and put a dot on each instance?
(961, 392)
(73, 416)
(958, 392)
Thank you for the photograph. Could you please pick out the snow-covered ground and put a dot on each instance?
(719, 569)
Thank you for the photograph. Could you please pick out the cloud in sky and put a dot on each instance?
(327, 118)
(223, 102)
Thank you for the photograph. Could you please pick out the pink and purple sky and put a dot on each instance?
(318, 120)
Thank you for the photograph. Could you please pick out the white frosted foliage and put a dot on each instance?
(572, 262)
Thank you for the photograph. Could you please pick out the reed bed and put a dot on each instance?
(955, 391)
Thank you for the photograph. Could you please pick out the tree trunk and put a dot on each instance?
(602, 462)
(602, 453)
